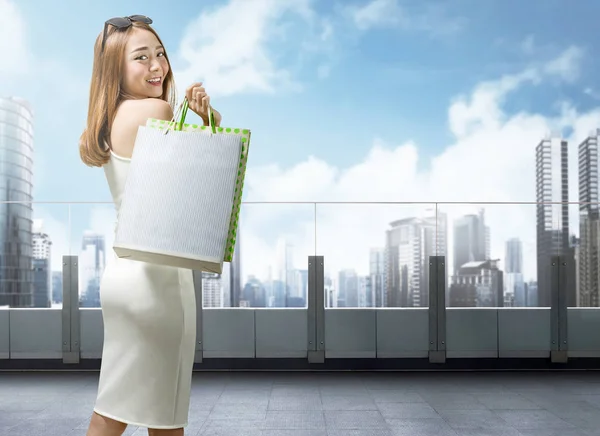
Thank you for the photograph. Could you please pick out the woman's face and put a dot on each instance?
(145, 65)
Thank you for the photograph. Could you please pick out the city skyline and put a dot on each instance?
(333, 274)
(461, 128)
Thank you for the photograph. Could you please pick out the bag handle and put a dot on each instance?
(179, 120)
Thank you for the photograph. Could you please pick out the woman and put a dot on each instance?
(149, 311)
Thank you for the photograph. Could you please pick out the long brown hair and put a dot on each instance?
(106, 93)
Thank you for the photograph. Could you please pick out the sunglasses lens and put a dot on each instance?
(119, 22)
(141, 18)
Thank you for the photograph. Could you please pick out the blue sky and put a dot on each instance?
(404, 78)
(346, 100)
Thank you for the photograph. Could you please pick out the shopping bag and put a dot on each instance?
(183, 194)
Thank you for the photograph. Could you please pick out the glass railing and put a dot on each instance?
(498, 255)
(501, 280)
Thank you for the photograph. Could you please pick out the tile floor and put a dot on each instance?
(330, 404)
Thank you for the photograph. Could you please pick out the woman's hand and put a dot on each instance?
(199, 101)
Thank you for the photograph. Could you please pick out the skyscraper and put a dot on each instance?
(589, 222)
(409, 243)
(513, 264)
(514, 256)
(212, 289)
(378, 296)
(348, 288)
(234, 285)
(42, 288)
(285, 273)
(92, 262)
(16, 156)
(552, 227)
(471, 238)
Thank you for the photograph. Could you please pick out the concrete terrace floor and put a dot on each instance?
(330, 404)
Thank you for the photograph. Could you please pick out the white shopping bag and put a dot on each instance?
(183, 193)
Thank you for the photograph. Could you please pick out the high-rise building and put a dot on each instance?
(471, 239)
(531, 294)
(231, 278)
(477, 284)
(303, 280)
(514, 284)
(364, 289)
(16, 185)
(409, 243)
(92, 262)
(212, 289)
(574, 298)
(589, 223)
(488, 243)
(552, 227)
(348, 289)
(285, 274)
(42, 274)
(254, 294)
(377, 296)
(235, 276)
(513, 262)
(330, 292)
(57, 287)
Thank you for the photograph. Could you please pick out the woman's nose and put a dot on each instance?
(155, 66)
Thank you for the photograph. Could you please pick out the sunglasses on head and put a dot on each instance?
(123, 23)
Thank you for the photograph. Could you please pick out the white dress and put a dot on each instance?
(149, 314)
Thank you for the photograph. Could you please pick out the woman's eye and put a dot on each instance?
(144, 57)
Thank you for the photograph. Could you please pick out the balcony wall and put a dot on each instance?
(437, 334)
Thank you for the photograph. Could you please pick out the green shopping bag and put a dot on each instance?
(178, 123)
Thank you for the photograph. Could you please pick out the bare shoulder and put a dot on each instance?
(138, 111)
(132, 114)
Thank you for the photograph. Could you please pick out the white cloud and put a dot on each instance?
(229, 48)
(433, 19)
(256, 46)
(13, 44)
(377, 13)
(492, 159)
(484, 109)
(567, 65)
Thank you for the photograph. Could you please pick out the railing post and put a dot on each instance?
(199, 305)
(316, 309)
(560, 270)
(70, 310)
(437, 309)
